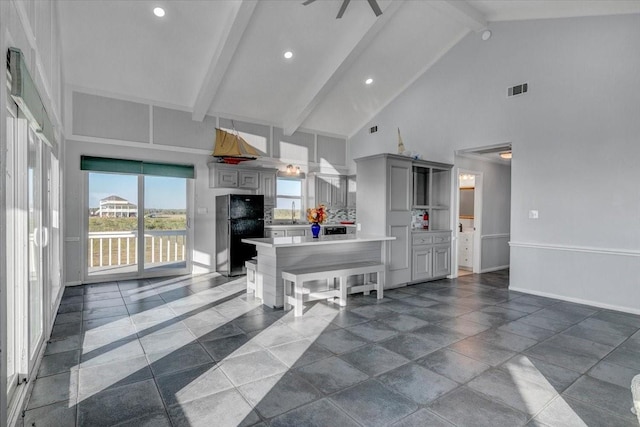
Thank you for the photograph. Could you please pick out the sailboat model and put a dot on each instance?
(232, 148)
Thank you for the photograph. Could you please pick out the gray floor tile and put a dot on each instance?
(518, 304)
(603, 395)
(107, 322)
(409, 346)
(95, 379)
(516, 392)
(66, 330)
(373, 311)
(619, 318)
(155, 315)
(372, 331)
(155, 343)
(464, 327)
(569, 352)
(61, 414)
(485, 318)
(61, 345)
(529, 331)
(70, 308)
(102, 296)
(374, 360)
(544, 322)
(464, 407)
(347, 318)
(73, 317)
(262, 363)
(101, 287)
(373, 404)
(423, 417)
(320, 413)
(438, 335)
(71, 291)
(214, 332)
(482, 351)
(280, 393)
(159, 419)
(340, 341)
(103, 303)
(178, 359)
(309, 327)
(227, 408)
(99, 336)
(232, 346)
(403, 323)
(538, 371)
(506, 340)
(453, 365)
(332, 374)
(276, 334)
(117, 351)
(417, 383)
(626, 358)
(58, 363)
(142, 306)
(299, 353)
(255, 323)
(97, 313)
(601, 331)
(120, 404)
(192, 384)
(53, 389)
(614, 374)
(567, 412)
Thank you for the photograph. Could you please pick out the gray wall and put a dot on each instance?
(575, 145)
(496, 210)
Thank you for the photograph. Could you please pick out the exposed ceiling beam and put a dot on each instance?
(317, 92)
(232, 35)
(463, 12)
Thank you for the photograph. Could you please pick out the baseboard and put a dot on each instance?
(76, 283)
(577, 300)
(489, 270)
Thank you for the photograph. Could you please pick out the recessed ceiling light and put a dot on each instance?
(486, 35)
(159, 12)
(288, 54)
(368, 81)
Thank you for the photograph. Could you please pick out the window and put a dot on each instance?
(288, 199)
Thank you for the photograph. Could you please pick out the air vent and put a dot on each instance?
(373, 129)
(520, 89)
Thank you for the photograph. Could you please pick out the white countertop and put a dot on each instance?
(305, 225)
(281, 242)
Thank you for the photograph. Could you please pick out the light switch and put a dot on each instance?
(358, 227)
(533, 214)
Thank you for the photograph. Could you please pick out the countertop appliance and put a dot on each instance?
(238, 216)
(334, 229)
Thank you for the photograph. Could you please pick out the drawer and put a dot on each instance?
(441, 238)
(422, 239)
(296, 232)
(274, 233)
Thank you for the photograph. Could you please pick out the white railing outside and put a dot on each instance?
(111, 248)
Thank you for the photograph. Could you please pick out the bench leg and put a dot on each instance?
(367, 281)
(343, 292)
(299, 308)
(258, 283)
(287, 293)
(379, 284)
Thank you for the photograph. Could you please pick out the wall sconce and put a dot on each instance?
(291, 171)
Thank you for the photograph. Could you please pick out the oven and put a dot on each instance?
(334, 229)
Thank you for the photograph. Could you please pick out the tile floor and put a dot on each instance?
(196, 351)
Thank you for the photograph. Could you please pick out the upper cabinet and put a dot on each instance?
(268, 187)
(233, 176)
(351, 191)
(329, 190)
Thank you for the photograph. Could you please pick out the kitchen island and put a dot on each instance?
(278, 253)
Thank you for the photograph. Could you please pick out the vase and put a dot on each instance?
(315, 230)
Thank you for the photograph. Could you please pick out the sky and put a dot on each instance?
(160, 192)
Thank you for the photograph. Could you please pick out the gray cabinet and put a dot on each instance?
(268, 187)
(465, 250)
(385, 201)
(223, 175)
(351, 191)
(248, 179)
(330, 190)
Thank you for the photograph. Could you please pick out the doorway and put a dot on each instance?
(137, 226)
(469, 221)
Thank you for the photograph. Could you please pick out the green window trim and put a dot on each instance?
(138, 167)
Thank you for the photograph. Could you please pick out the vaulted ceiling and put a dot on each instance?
(225, 57)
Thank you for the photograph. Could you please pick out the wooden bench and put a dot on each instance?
(295, 294)
(252, 279)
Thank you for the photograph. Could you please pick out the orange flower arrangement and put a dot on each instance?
(318, 214)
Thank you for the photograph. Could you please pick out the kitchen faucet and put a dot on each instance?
(293, 210)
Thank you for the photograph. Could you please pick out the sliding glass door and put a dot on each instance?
(138, 225)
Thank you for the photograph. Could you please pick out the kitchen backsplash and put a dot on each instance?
(334, 215)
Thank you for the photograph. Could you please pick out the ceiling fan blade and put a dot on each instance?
(375, 7)
(308, 2)
(345, 3)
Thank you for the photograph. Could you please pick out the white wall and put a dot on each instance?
(496, 210)
(575, 145)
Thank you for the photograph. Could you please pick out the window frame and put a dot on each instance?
(300, 200)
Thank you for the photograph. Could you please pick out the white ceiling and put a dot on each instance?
(224, 57)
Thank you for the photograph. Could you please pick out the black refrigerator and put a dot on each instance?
(238, 216)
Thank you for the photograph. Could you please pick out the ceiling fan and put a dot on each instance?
(345, 3)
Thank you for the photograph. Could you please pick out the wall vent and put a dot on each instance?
(373, 129)
(516, 90)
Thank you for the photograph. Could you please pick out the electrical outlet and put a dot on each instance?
(358, 227)
(533, 214)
